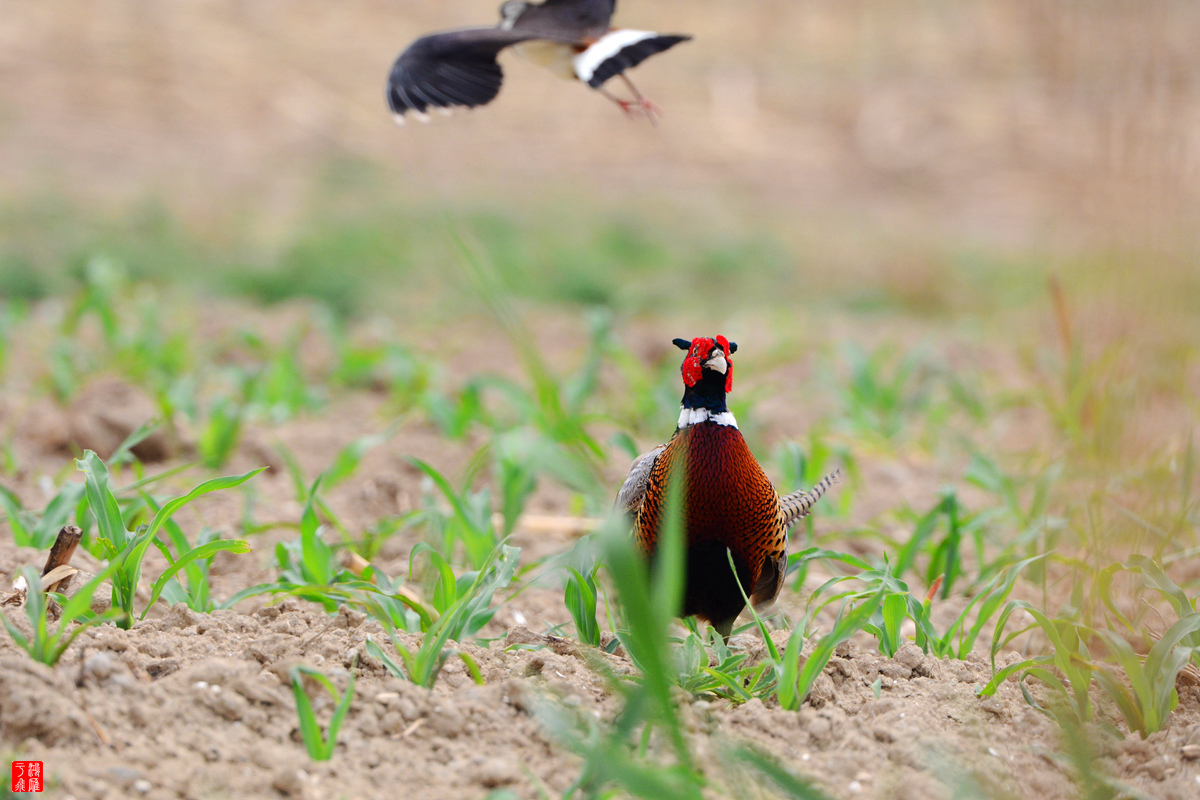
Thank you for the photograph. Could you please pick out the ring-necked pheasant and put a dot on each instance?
(573, 38)
(728, 502)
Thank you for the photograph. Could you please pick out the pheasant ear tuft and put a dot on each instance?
(682, 344)
(733, 347)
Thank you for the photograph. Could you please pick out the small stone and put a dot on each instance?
(855, 787)
(289, 782)
(141, 786)
(98, 666)
(180, 616)
(1190, 751)
(446, 722)
(230, 705)
(124, 775)
(157, 669)
(496, 772)
(910, 656)
(820, 728)
(386, 698)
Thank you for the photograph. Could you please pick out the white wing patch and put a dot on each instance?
(604, 48)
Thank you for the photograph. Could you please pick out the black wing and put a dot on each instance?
(630, 56)
(456, 68)
(578, 20)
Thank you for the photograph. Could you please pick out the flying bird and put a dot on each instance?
(573, 38)
(729, 503)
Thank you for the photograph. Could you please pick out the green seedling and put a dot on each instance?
(469, 523)
(423, 665)
(1150, 695)
(192, 588)
(76, 615)
(729, 677)
(945, 557)
(1069, 655)
(461, 611)
(794, 681)
(884, 392)
(465, 601)
(113, 539)
(454, 416)
(350, 457)
(221, 433)
(660, 764)
(30, 529)
(579, 595)
(1156, 578)
(308, 567)
(320, 745)
(787, 784)
(959, 638)
(276, 389)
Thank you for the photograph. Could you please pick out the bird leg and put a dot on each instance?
(628, 106)
(651, 111)
(640, 106)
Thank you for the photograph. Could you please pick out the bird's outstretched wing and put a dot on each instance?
(455, 68)
(633, 490)
(585, 19)
(620, 50)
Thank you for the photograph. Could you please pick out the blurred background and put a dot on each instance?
(938, 157)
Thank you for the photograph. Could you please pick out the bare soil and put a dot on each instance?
(190, 705)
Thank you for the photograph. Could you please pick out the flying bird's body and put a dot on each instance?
(729, 503)
(572, 38)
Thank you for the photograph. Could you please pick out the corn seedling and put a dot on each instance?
(192, 588)
(945, 557)
(221, 433)
(793, 681)
(308, 567)
(320, 745)
(579, 596)
(461, 611)
(649, 602)
(1068, 654)
(959, 638)
(466, 601)
(468, 524)
(883, 393)
(114, 540)
(75, 617)
(31, 529)
(1150, 696)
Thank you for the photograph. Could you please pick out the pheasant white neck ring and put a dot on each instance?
(694, 416)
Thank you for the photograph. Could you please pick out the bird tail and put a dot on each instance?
(797, 504)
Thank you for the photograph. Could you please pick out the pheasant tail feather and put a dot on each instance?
(798, 504)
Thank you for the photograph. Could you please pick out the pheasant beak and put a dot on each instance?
(717, 362)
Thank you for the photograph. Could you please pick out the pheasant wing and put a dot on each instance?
(633, 490)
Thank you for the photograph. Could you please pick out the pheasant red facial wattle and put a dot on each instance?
(699, 351)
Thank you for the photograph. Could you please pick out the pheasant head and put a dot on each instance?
(707, 376)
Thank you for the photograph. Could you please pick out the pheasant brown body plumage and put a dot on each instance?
(729, 503)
